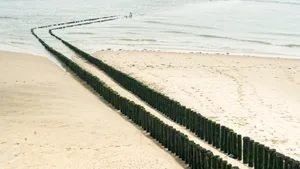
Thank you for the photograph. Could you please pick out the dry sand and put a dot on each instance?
(49, 120)
(257, 97)
(115, 86)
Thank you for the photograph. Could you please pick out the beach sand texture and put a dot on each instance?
(257, 97)
(116, 87)
(49, 120)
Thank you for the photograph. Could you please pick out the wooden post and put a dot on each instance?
(266, 157)
(272, 160)
(260, 157)
(224, 165)
(279, 161)
(205, 128)
(218, 136)
(250, 162)
(222, 142)
(255, 149)
(239, 148)
(201, 127)
(209, 131)
(213, 133)
(226, 140)
(229, 166)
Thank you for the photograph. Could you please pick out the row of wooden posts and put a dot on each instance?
(78, 23)
(100, 19)
(254, 154)
(174, 141)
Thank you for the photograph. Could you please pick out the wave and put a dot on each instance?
(8, 17)
(178, 32)
(292, 45)
(131, 33)
(138, 40)
(236, 39)
(279, 34)
(80, 33)
(278, 2)
(255, 41)
(129, 27)
(184, 25)
(20, 43)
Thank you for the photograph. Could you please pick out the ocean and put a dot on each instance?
(242, 27)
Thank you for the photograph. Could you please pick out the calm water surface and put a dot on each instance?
(262, 27)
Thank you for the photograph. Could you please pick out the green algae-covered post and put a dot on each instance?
(218, 135)
(226, 140)
(188, 124)
(214, 162)
(266, 157)
(192, 147)
(198, 156)
(251, 155)
(231, 143)
(213, 128)
(194, 163)
(239, 147)
(176, 143)
(205, 128)
(197, 122)
(286, 162)
(208, 158)
(190, 155)
(260, 157)
(229, 166)
(272, 160)
(255, 149)
(187, 143)
(219, 163)
(193, 117)
(222, 138)
(297, 165)
(224, 165)
(202, 157)
(234, 147)
(181, 142)
(201, 127)
(209, 131)
(279, 161)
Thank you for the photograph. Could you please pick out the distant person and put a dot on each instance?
(129, 16)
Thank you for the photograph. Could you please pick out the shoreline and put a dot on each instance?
(199, 52)
(174, 52)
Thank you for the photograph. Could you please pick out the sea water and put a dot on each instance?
(245, 27)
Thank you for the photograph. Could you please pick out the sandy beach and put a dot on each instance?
(50, 120)
(256, 96)
(116, 87)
